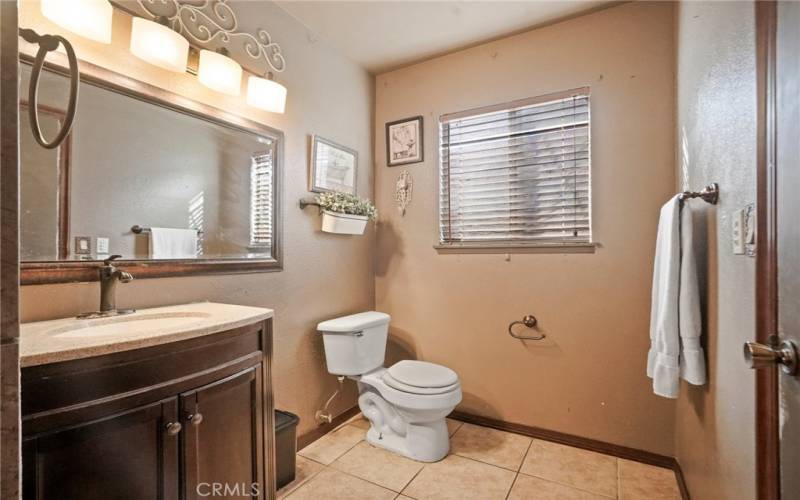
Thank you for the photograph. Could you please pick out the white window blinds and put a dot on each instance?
(261, 171)
(517, 173)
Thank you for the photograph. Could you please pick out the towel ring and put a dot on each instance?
(48, 43)
(530, 322)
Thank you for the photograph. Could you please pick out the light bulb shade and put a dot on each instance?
(88, 18)
(159, 45)
(266, 94)
(219, 72)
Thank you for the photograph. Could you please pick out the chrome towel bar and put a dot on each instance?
(137, 229)
(529, 321)
(709, 194)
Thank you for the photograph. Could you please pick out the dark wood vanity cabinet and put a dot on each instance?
(190, 419)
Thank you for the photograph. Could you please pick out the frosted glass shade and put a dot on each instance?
(88, 18)
(159, 45)
(219, 72)
(266, 94)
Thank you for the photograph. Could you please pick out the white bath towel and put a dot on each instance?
(170, 243)
(675, 324)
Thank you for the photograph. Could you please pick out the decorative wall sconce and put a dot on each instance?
(404, 187)
(211, 27)
(88, 18)
(219, 72)
(163, 31)
(266, 94)
(157, 44)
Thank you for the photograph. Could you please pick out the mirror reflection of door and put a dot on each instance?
(44, 189)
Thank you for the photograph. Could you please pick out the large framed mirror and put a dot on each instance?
(173, 186)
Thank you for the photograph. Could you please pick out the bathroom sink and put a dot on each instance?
(125, 325)
(64, 339)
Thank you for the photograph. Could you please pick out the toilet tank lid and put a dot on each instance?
(354, 322)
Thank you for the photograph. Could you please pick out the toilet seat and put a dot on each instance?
(420, 377)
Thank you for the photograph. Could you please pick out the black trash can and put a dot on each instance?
(285, 446)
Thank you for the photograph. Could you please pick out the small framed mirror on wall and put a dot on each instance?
(174, 186)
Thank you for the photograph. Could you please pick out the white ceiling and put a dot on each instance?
(381, 35)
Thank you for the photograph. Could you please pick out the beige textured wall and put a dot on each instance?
(589, 378)
(716, 127)
(324, 275)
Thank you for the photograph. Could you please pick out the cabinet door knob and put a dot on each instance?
(195, 418)
(173, 428)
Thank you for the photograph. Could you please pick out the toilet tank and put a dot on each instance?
(355, 344)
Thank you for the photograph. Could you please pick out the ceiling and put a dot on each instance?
(382, 35)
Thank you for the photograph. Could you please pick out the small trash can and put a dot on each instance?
(285, 446)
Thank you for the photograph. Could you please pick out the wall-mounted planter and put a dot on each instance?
(333, 222)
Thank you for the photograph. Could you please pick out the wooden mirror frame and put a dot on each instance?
(44, 272)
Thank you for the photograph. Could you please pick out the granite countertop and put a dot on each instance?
(65, 339)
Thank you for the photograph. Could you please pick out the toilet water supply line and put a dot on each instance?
(324, 416)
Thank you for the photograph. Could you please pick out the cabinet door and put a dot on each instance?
(131, 455)
(223, 438)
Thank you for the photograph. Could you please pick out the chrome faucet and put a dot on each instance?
(109, 276)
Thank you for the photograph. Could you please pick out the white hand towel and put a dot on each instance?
(675, 324)
(170, 243)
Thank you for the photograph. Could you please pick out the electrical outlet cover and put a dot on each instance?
(102, 245)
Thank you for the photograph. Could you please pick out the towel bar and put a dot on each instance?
(137, 229)
(709, 194)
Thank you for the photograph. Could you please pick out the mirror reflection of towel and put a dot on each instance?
(171, 243)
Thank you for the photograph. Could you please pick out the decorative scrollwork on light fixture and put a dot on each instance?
(212, 24)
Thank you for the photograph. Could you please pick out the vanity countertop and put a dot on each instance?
(65, 339)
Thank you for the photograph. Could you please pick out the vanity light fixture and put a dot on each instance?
(266, 94)
(157, 44)
(88, 18)
(219, 72)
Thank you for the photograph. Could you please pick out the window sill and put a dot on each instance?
(555, 248)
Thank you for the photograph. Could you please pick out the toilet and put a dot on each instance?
(406, 403)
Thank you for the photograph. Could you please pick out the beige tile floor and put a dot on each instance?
(483, 464)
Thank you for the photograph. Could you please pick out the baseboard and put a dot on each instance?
(314, 434)
(615, 450)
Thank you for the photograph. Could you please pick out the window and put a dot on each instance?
(261, 200)
(517, 173)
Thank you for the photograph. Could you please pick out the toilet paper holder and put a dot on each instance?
(529, 321)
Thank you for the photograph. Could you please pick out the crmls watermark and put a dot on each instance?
(228, 490)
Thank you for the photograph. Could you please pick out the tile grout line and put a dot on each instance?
(568, 485)
(341, 454)
(522, 462)
(366, 481)
(302, 483)
(413, 478)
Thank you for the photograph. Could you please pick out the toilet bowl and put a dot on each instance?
(406, 403)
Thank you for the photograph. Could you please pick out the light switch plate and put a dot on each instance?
(738, 229)
(102, 245)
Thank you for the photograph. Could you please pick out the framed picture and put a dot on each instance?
(83, 245)
(404, 141)
(333, 167)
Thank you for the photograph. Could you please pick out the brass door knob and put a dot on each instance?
(173, 428)
(762, 356)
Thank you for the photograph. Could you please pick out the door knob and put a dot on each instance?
(761, 356)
